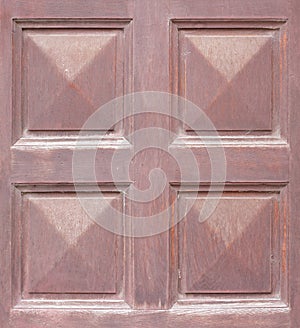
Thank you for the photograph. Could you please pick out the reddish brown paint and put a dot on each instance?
(153, 273)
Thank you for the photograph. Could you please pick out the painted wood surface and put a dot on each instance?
(239, 62)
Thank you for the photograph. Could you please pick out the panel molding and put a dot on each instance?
(277, 26)
(278, 298)
(22, 299)
(122, 27)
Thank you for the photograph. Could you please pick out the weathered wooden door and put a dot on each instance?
(236, 60)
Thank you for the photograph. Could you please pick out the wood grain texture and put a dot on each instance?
(231, 251)
(229, 9)
(294, 87)
(83, 256)
(237, 318)
(222, 65)
(64, 70)
(151, 256)
(60, 253)
(244, 163)
(5, 135)
(137, 45)
(48, 165)
(62, 63)
(221, 71)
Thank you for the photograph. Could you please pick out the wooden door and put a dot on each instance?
(236, 60)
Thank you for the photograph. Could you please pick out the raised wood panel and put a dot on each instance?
(233, 71)
(62, 250)
(231, 252)
(60, 93)
(256, 131)
(68, 70)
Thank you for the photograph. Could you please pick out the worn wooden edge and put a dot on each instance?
(234, 317)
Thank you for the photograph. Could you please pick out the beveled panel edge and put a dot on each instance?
(279, 298)
(18, 25)
(279, 132)
(115, 302)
